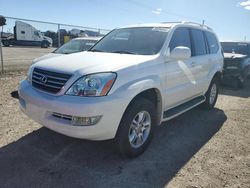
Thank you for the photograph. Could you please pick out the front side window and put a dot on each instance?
(212, 43)
(180, 37)
(198, 42)
(140, 40)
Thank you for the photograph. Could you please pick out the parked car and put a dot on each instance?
(132, 80)
(236, 63)
(73, 46)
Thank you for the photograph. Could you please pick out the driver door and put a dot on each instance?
(179, 75)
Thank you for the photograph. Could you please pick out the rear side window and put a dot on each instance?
(198, 42)
(212, 43)
(180, 37)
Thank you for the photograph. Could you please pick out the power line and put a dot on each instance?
(163, 11)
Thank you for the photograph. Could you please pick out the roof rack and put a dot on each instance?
(194, 23)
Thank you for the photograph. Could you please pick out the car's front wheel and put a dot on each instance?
(136, 128)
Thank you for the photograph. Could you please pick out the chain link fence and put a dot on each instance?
(18, 51)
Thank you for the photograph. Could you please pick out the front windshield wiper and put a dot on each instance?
(122, 52)
(96, 50)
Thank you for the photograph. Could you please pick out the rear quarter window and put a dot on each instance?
(212, 43)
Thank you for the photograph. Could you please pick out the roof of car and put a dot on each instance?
(169, 25)
(238, 41)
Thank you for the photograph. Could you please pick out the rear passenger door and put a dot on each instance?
(200, 59)
(215, 57)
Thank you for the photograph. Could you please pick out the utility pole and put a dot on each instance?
(2, 23)
(203, 22)
(59, 36)
(1, 51)
(245, 38)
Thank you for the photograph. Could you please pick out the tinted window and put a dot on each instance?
(180, 38)
(199, 42)
(212, 43)
(143, 41)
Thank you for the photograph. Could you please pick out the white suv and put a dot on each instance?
(132, 80)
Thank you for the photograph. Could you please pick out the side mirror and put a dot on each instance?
(180, 53)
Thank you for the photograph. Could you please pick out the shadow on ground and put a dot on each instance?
(46, 159)
(230, 91)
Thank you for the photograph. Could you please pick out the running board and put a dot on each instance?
(173, 112)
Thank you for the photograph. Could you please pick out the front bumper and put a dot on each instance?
(39, 106)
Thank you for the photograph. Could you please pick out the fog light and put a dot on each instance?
(85, 121)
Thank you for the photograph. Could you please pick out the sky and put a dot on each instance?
(230, 19)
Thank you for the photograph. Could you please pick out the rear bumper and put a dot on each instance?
(39, 106)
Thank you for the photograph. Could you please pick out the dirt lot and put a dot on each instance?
(19, 58)
(197, 149)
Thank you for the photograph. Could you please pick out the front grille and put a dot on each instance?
(231, 62)
(49, 81)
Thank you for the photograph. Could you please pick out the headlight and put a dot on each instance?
(29, 74)
(97, 84)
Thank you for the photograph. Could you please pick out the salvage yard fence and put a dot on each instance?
(17, 58)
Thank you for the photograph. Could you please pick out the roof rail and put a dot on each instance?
(194, 23)
(171, 22)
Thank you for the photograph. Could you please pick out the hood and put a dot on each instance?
(233, 55)
(48, 39)
(47, 56)
(233, 60)
(91, 62)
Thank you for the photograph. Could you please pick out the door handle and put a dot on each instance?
(193, 64)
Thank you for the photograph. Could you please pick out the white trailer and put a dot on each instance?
(27, 35)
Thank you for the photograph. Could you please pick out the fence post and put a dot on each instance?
(59, 37)
(1, 51)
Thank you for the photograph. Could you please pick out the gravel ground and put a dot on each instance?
(197, 149)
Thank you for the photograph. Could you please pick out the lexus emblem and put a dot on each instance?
(43, 79)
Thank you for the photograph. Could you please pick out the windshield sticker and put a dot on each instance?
(160, 29)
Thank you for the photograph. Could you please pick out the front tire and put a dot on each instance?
(136, 128)
(211, 95)
(6, 43)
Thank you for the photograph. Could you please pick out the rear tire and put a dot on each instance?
(211, 95)
(242, 82)
(136, 129)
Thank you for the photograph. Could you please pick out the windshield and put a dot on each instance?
(235, 47)
(74, 46)
(142, 41)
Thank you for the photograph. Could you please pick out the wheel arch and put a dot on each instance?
(154, 96)
(218, 76)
